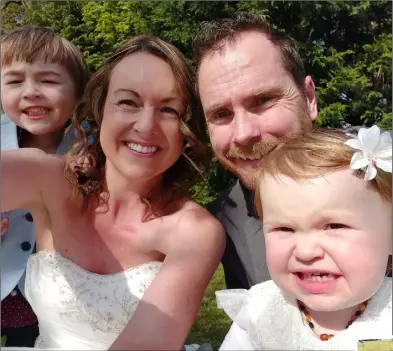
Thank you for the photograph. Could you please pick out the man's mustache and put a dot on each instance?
(255, 151)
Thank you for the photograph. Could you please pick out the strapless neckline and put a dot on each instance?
(82, 310)
(66, 260)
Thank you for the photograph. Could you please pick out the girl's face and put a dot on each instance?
(140, 132)
(327, 239)
(39, 96)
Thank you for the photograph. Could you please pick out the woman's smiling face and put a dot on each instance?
(140, 131)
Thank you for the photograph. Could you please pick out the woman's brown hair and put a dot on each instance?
(88, 175)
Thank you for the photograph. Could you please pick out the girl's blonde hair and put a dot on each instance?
(314, 154)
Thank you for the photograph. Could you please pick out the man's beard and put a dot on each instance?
(255, 151)
(258, 150)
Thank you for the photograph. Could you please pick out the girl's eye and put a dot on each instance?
(283, 229)
(49, 82)
(334, 226)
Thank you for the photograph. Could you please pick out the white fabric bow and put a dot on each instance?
(375, 151)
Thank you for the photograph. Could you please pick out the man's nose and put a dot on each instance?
(246, 129)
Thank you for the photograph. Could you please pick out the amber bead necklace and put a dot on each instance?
(325, 337)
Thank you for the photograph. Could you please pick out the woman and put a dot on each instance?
(122, 253)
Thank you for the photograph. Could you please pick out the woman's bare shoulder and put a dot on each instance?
(196, 224)
(191, 213)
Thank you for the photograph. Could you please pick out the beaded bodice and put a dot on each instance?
(77, 309)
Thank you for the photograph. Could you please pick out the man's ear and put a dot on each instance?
(309, 89)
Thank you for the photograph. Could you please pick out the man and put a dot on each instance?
(254, 92)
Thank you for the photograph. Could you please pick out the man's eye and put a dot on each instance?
(221, 115)
(263, 100)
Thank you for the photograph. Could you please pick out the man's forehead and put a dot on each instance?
(247, 63)
(248, 47)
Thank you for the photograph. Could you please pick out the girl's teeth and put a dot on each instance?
(142, 149)
(317, 277)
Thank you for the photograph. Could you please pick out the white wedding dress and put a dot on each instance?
(80, 310)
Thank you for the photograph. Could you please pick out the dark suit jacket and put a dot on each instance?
(244, 257)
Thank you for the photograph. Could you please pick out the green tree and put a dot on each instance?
(346, 46)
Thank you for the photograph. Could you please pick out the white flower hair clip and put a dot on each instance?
(374, 151)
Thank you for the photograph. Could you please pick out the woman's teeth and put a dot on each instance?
(142, 149)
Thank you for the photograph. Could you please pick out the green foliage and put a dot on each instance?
(3, 340)
(346, 47)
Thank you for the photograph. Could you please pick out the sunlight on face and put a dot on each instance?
(39, 96)
(337, 225)
(249, 101)
(140, 132)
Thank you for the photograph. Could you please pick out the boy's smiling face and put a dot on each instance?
(327, 239)
(39, 96)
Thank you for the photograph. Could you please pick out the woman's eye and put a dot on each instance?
(333, 226)
(49, 82)
(170, 110)
(127, 102)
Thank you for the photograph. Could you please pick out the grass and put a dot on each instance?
(212, 324)
(380, 345)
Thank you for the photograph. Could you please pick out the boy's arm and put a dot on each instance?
(24, 174)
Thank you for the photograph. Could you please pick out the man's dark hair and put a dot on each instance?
(214, 35)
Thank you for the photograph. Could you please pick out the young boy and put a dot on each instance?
(42, 79)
